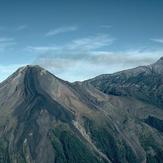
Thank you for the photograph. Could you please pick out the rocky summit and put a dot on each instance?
(112, 118)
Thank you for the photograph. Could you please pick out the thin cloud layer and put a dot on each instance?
(82, 44)
(158, 40)
(6, 39)
(126, 59)
(83, 58)
(61, 30)
(6, 42)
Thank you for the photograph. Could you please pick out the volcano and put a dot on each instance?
(112, 118)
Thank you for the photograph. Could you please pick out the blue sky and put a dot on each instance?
(79, 39)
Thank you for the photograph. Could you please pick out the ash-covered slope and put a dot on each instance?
(34, 126)
(144, 83)
(44, 119)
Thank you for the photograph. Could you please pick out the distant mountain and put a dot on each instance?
(144, 83)
(114, 118)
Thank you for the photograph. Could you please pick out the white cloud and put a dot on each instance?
(6, 42)
(61, 30)
(6, 39)
(84, 66)
(90, 43)
(42, 49)
(13, 28)
(83, 58)
(158, 40)
(82, 44)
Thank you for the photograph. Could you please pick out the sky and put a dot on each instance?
(79, 39)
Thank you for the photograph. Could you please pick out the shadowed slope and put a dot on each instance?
(144, 83)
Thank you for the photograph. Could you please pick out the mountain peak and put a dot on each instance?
(158, 66)
(160, 61)
(26, 73)
(29, 67)
(161, 58)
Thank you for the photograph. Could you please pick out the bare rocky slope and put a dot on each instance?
(112, 118)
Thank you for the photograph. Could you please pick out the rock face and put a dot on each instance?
(144, 83)
(112, 118)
